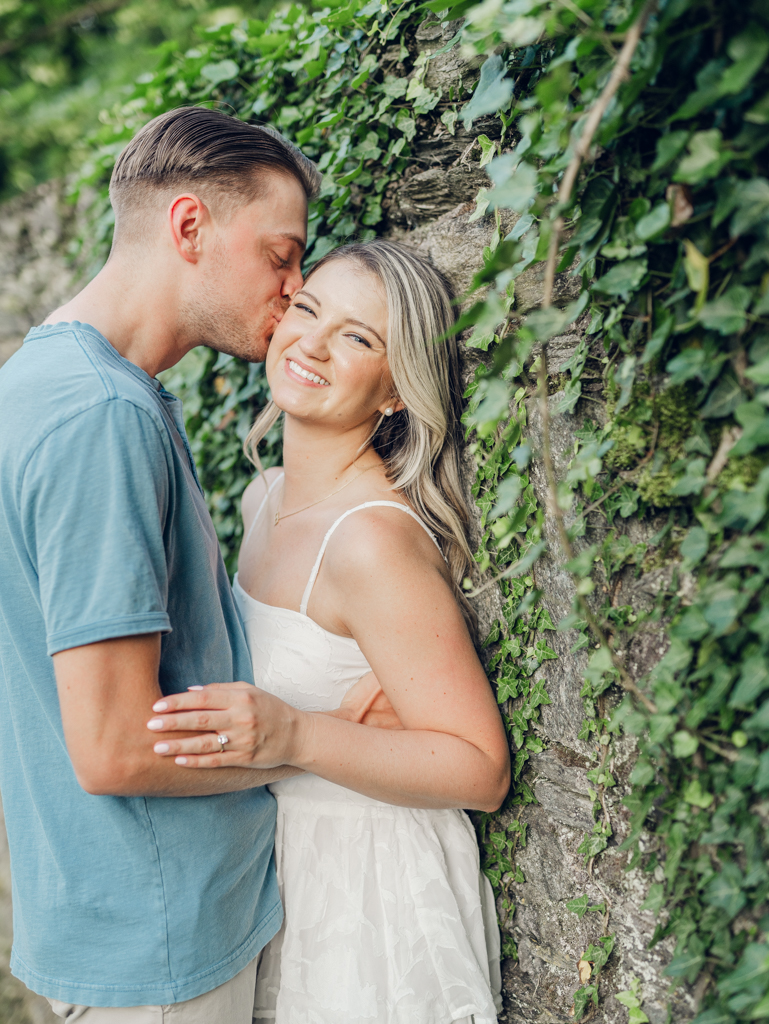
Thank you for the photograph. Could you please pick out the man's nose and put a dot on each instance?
(292, 282)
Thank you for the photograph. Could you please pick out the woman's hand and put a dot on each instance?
(262, 730)
(366, 704)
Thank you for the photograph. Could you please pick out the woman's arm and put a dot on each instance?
(387, 584)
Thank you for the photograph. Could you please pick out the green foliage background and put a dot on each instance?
(667, 235)
(63, 61)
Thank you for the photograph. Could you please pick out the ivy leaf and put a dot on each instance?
(684, 744)
(516, 183)
(727, 314)
(693, 481)
(758, 722)
(760, 372)
(753, 206)
(623, 278)
(543, 652)
(749, 51)
(752, 682)
(668, 148)
(578, 906)
(695, 795)
(488, 149)
(655, 898)
(685, 965)
(753, 967)
(694, 547)
(725, 396)
(508, 493)
(222, 71)
(625, 377)
(697, 269)
(725, 891)
(705, 158)
(753, 418)
(653, 223)
(492, 93)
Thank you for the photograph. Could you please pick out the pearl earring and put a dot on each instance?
(389, 410)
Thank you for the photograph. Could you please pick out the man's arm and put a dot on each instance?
(106, 692)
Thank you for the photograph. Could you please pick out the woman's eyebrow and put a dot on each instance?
(366, 327)
(303, 291)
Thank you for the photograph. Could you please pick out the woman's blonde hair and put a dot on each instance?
(420, 445)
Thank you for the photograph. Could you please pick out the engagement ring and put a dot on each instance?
(223, 741)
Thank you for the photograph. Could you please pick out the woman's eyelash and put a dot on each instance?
(357, 337)
(308, 309)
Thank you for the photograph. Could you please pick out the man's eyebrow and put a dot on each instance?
(293, 238)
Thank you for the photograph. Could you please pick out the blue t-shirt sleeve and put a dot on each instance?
(95, 499)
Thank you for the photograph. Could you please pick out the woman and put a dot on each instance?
(353, 559)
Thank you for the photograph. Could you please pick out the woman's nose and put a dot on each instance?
(314, 343)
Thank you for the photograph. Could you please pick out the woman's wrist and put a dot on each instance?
(301, 731)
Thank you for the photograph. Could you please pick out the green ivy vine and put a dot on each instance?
(630, 154)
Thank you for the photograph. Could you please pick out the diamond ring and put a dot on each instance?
(223, 741)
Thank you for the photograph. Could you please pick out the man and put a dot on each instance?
(113, 592)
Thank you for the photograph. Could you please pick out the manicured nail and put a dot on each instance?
(161, 748)
(194, 687)
(156, 724)
(180, 760)
(161, 705)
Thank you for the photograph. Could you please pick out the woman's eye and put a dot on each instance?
(307, 309)
(357, 337)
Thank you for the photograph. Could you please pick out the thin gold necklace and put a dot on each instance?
(304, 508)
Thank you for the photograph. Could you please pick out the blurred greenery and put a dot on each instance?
(64, 61)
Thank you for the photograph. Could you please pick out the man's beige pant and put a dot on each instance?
(231, 1003)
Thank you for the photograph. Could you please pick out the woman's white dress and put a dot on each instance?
(388, 918)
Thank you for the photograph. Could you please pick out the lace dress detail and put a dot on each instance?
(388, 918)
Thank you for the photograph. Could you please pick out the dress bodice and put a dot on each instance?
(295, 658)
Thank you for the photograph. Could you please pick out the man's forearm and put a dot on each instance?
(167, 779)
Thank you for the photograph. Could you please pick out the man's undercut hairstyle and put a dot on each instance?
(227, 162)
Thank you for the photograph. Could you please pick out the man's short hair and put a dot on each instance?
(223, 158)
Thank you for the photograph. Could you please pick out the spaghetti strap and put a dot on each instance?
(327, 538)
(259, 511)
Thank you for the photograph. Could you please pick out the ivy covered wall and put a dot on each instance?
(592, 175)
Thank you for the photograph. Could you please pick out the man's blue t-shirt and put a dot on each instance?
(118, 901)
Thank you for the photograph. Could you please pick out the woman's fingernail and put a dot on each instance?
(194, 687)
(180, 760)
(161, 748)
(161, 705)
(156, 724)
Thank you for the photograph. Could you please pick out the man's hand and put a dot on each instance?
(366, 704)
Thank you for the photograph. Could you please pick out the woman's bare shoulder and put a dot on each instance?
(255, 492)
(379, 538)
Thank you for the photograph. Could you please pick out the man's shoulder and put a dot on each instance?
(60, 375)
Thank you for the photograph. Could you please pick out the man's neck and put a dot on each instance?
(131, 306)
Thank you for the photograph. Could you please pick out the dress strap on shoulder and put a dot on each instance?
(327, 538)
(259, 511)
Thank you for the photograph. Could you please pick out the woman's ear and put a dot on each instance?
(391, 406)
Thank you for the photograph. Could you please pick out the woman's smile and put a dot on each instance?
(296, 369)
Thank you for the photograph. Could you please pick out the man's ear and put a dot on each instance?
(187, 216)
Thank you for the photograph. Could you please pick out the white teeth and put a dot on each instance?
(306, 373)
